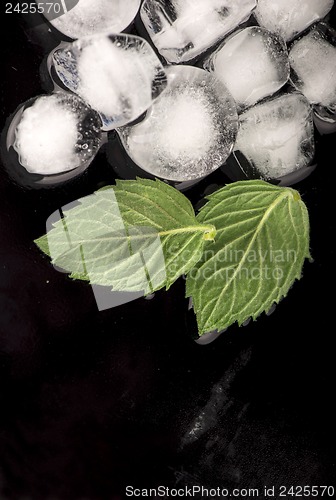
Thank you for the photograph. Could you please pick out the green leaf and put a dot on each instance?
(261, 243)
(137, 235)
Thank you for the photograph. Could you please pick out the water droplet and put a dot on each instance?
(271, 310)
(247, 321)
(150, 296)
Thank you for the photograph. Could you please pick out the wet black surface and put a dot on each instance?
(93, 401)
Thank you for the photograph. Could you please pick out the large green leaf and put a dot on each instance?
(137, 235)
(261, 243)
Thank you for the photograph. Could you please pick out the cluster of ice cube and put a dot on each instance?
(276, 134)
(180, 122)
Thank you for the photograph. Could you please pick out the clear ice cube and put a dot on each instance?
(117, 75)
(190, 129)
(89, 17)
(313, 67)
(276, 137)
(182, 29)
(252, 63)
(288, 18)
(56, 133)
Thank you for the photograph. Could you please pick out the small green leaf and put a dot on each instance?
(261, 243)
(137, 235)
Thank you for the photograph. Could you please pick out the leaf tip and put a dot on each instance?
(42, 244)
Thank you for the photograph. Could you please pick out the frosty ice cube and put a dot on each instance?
(182, 29)
(54, 134)
(89, 17)
(288, 18)
(276, 137)
(313, 68)
(189, 131)
(252, 63)
(117, 75)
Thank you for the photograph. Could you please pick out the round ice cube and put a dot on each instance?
(252, 63)
(95, 16)
(55, 133)
(190, 129)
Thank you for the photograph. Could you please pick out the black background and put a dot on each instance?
(93, 401)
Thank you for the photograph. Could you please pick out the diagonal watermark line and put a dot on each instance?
(65, 9)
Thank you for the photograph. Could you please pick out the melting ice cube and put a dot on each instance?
(190, 129)
(57, 133)
(252, 63)
(117, 75)
(313, 66)
(288, 18)
(276, 137)
(89, 17)
(183, 29)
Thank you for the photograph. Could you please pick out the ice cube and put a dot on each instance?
(183, 29)
(57, 133)
(89, 17)
(288, 18)
(252, 63)
(117, 75)
(189, 131)
(276, 137)
(313, 66)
